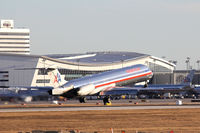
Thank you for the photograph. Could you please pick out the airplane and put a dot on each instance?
(195, 91)
(93, 84)
(22, 94)
(150, 90)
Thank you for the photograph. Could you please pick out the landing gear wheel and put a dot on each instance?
(82, 100)
(145, 85)
(106, 100)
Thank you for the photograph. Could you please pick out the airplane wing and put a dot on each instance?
(120, 91)
(163, 90)
(32, 88)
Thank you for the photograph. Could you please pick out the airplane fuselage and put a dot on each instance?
(93, 84)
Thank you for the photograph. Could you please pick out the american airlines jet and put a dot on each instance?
(94, 84)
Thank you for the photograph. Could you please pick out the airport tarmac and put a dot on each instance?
(73, 105)
(81, 108)
(150, 116)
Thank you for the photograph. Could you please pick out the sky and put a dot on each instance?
(162, 28)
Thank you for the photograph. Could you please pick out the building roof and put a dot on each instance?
(98, 57)
(94, 58)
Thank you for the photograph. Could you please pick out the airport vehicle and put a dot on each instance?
(92, 85)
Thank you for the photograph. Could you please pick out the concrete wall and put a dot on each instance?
(16, 66)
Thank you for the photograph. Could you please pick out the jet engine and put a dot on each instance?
(85, 90)
(60, 91)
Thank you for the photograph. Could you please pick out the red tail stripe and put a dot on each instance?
(124, 79)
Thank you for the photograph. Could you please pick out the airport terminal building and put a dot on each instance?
(18, 67)
(19, 70)
(14, 40)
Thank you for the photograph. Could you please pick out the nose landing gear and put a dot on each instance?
(106, 100)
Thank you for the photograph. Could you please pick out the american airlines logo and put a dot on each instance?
(57, 78)
(132, 70)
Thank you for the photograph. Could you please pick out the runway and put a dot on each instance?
(82, 108)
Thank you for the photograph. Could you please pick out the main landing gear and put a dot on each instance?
(146, 84)
(106, 100)
(82, 99)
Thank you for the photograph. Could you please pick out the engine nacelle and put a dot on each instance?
(85, 90)
(60, 91)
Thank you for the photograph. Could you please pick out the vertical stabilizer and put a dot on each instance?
(188, 79)
(56, 78)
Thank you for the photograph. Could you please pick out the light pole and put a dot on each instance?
(122, 63)
(174, 62)
(163, 57)
(44, 70)
(154, 69)
(187, 63)
(198, 61)
(78, 60)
